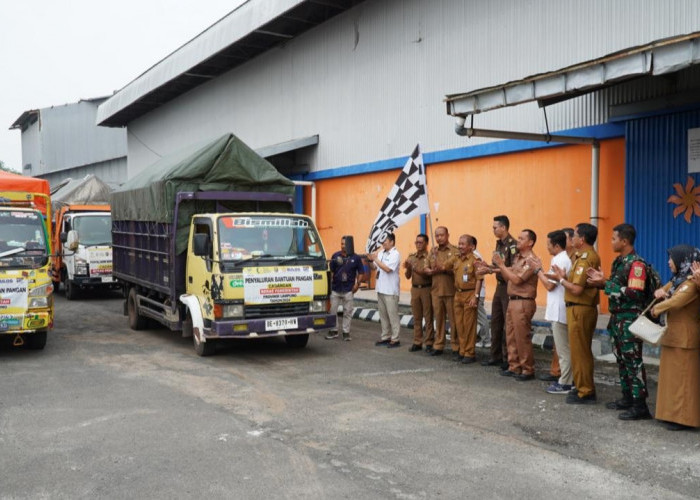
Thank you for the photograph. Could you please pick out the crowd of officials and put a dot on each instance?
(447, 284)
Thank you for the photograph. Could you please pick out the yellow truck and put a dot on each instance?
(206, 242)
(26, 300)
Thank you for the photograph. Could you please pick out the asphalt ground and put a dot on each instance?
(106, 412)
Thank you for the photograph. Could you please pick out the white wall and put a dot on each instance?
(376, 99)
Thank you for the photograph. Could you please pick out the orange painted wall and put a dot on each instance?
(543, 190)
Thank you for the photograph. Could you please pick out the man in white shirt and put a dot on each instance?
(387, 261)
(556, 308)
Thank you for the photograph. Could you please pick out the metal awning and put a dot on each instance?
(656, 58)
(287, 146)
(248, 31)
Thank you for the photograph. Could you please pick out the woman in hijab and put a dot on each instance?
(678, 394)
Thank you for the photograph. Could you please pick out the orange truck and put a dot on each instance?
(26, 290)
(82, 249)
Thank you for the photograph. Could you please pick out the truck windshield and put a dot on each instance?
(273, 237)
(93, 229)
(22, 239)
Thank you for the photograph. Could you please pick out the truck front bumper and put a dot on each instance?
(12, 324)
(95, 282)
(257, 328)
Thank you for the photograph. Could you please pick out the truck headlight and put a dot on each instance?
(38, 302)
(233, 311)
(81, 267)
(317, 306)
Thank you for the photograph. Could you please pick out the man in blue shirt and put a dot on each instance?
(347, 273)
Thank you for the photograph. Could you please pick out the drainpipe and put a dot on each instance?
(313, 196)
(595, 182)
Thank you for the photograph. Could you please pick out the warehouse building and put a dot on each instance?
(63, 142)
(551, 112)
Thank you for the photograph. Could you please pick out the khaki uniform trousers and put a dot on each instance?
(582, 320)
(521, 358)
(444, 306)
(465, 322)
(422, 309)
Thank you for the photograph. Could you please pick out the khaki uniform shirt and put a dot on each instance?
(581, 263)
(465, 277)
(443, 284)
(524, 271)
(419, 261)
(508, 249)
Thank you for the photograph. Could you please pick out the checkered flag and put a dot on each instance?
(407, 199)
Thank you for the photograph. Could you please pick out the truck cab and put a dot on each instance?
(83, 249)
(26, 300)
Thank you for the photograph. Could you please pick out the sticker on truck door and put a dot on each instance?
(13, 295)
(275, 285)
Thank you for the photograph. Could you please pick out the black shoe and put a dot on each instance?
(504, 365)
(620, 404)
(382, 342)
(392, 345)
(436, 352)
(638, 411)
(524, 377)
(575, 399)
(548, 377)
(456, 357)
(674, 426)
(508, 373)
(429, 349)
(466, 360)
(415, 347)
(490, 362)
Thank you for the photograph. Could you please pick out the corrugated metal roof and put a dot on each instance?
(250, 30)
(656, 58)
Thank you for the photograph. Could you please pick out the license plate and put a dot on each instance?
(280, 324)
(106, 279)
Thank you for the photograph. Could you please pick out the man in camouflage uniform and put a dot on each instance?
(625, 289)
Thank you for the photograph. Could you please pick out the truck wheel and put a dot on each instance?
(201, 348)
(36, 341)
(297, 341)
(136, 321)
(71, 290)
(56, 286)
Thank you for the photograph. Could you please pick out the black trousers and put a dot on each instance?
(499, 306)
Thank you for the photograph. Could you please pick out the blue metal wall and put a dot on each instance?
(656, 159)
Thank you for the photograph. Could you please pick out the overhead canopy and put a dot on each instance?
(656, 58)
(250, 30)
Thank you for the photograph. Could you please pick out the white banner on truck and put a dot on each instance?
(274, 285)
(13, 295)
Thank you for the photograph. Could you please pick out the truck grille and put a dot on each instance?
(277, 310)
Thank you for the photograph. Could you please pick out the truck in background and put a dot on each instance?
(26, 299)
(83, 237)
(206, 242)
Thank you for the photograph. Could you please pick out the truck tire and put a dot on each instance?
(136, 321)
(71, 290)
(207, 348)
(297, 341)
(36, 341)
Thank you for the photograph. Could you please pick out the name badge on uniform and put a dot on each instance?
(465, 278)
(343, 276)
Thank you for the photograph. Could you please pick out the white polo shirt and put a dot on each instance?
(556, 307)
(388, 282)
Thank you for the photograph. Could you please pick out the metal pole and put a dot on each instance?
(313, 196)
(595, 182)
(523, 136)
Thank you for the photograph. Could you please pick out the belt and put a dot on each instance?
(571, 304)
(423, 286)
(518, 297)
(466, 289)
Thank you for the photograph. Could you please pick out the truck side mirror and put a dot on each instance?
(63, 237)
(202, 244)
(72, 240)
